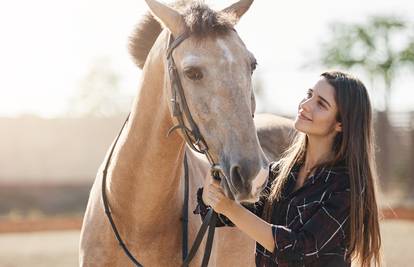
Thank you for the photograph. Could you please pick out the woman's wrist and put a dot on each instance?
(230, 208)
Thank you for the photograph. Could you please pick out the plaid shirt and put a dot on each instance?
(310, 226)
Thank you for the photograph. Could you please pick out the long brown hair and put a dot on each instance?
(355, 146)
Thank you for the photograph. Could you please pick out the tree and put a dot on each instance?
(381, 47)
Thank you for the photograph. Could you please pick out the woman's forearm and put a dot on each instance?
(253, 226)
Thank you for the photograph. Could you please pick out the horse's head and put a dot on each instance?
(215, 69)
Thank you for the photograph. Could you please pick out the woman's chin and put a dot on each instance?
(299, 125)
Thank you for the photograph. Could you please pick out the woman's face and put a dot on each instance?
(317, 111)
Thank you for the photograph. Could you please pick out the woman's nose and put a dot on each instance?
(305, 105)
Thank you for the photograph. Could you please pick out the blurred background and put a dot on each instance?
(67, 83)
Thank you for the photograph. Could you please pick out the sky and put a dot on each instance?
(47, 47)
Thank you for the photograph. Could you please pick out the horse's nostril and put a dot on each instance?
(236, 178)
(235, 171)
(239, 180)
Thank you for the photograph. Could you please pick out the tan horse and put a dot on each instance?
(144, 183)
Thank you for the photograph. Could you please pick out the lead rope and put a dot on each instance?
(209, 223)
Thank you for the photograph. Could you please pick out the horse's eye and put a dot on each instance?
(253, 66)
(193, 73)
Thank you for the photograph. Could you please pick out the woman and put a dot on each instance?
(320, 207)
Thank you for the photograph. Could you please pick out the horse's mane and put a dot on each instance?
(200, 21)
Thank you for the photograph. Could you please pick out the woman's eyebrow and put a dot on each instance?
(324, 100)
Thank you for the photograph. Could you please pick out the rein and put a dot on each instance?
(196, 142)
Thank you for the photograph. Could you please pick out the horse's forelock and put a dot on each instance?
(200, 20)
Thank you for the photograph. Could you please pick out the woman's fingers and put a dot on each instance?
(213, 195)
(214, 199)
(215, 182)
(217, 190)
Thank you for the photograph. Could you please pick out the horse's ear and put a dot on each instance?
(168, 17)
(238, 8)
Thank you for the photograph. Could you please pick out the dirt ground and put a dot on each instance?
(39, 249)
(60, 248)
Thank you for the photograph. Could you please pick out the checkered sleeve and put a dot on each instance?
(320, 235)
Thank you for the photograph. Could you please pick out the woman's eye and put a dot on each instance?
(321, 104)
(308, 95)
(193, 73)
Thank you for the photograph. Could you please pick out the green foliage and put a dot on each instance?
(381, 47)
(407, 55)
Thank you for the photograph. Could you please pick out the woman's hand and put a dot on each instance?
(214, 196)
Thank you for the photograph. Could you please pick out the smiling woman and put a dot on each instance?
(320, 206)
(318, 111)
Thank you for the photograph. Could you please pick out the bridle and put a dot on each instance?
(180, 108)
(195, 141)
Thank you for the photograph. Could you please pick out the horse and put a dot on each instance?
(144, 184)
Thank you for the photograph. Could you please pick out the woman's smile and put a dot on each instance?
(303, 117)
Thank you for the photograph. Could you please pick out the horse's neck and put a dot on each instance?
(146, 168)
